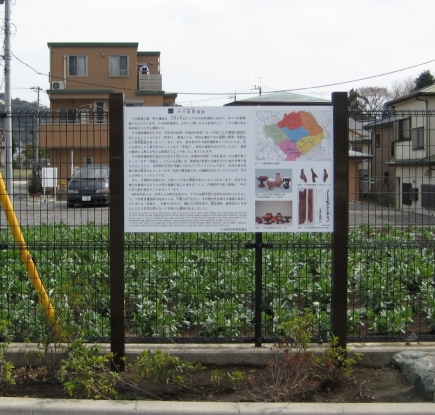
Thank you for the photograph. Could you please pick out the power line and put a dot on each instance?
(222, 94)
(360, 79)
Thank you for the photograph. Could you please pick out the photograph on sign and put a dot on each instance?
(228, 169)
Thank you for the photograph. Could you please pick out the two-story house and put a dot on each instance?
(82, 76)
(404, 141)
(359, 159)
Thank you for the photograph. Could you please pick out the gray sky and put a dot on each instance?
(228, 46)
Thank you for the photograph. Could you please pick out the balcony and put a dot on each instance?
(150, 82)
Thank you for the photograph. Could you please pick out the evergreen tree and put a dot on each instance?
(423, 80)
(354, 100)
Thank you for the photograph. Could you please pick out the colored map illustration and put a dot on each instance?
(290, 136)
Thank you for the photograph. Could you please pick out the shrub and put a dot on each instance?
(85, 373)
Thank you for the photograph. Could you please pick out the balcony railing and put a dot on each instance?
(73, 116)
(150, 82)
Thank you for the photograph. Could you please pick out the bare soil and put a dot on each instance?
(385, 384)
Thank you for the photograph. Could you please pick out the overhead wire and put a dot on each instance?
(222, 94)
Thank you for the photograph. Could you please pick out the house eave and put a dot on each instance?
(419, 162)
(79, 91)
(93, 44)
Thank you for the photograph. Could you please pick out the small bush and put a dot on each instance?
(6, 368)
(222, 381)
(297, 372)
(161, 367)
(85, 373)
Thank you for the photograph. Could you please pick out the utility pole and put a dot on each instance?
(36, 132)
(8, 101)
(258, 86)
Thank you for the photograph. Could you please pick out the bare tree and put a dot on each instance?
(374, 97)
(401, 88)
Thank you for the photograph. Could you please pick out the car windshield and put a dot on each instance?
(91, 173)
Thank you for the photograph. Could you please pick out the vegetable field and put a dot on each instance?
(201, 287)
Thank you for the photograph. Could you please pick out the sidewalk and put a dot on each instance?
(12, 406)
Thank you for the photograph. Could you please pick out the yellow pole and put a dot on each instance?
(26, 257)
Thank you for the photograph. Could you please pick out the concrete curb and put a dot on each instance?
(375, 354)
(31, 406)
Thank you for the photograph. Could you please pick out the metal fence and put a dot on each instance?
(203, 287)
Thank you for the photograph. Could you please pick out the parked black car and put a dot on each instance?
(89, 185)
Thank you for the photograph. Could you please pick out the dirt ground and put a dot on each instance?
(385, 384)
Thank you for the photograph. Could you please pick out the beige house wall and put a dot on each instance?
(70, 144)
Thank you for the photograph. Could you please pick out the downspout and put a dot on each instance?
(64, 70)
(426, 127)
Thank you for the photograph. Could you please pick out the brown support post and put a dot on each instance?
(341, 217)
(116, 223)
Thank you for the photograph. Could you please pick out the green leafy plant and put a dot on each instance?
(334, 364)
(85, 373)
(161, 367)
(390, 321)
(207, 291)
(6, 367)
(297, 333)
(222, 381)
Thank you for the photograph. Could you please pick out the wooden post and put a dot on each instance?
(116, 223)
(341, 218)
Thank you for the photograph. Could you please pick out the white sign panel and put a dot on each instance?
(49, 177)
(228, 169)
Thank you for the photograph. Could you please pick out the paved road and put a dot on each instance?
(366, 213)
(50, 210)
(34, 211)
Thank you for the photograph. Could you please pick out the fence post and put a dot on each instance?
(116, 225)
(258, 287)
(341, 217)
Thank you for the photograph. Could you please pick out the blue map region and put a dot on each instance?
(296, 134)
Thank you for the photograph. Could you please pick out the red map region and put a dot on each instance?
(289, 148)
(291, 121)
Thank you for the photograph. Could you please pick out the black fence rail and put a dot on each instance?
(203, 287)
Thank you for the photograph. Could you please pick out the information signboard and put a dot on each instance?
(228, 169)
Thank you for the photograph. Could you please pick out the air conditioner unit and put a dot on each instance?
(58, 85)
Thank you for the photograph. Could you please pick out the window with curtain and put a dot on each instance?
(77, 66)
(118, 65)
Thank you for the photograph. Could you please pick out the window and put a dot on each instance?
(406, 189)
(386, 177)
(77, 65)
(404, 129)
(358, 149)
(377, 140)
(100, 112)
(417, 137)
(118, 65)
(392, 149)
(67, 115)
(134, 104)
(428, 196)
